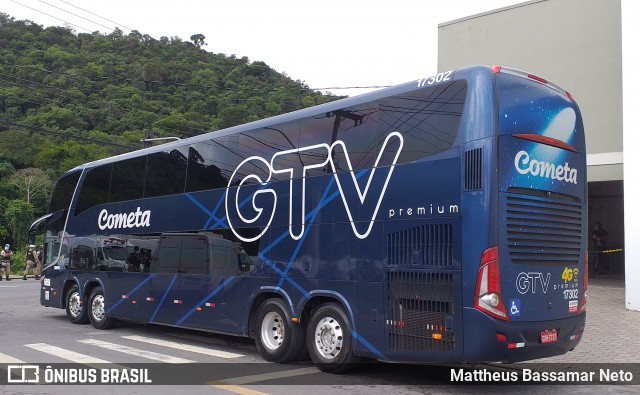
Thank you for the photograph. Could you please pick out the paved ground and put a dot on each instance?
(612, 334)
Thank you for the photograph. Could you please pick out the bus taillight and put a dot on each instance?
(585, 283)
(488, 295)
(536, 78)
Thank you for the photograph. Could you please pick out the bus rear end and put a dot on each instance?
(532, 285)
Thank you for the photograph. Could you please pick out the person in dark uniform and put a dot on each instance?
(600, 236)
(33, 262)
(5, 261)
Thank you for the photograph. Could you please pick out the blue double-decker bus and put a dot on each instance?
(440, 220)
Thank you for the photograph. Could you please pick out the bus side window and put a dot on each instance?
(74, 259)
(95, 189)
(211, 163)
(225, 261)
(166, 173)
(127, 180)
(193, 260)
(245, 263)
(82, 258)
(134, 260)
(169, 260)
(431, 126)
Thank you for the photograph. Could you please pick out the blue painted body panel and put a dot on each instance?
(331, 259)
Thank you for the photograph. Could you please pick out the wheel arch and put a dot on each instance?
(319, 297)
(85, 288)
(68, 283)
(259, 297)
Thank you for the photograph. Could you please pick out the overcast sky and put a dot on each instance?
(325, 43)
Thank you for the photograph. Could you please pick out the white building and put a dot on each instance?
(578, 45)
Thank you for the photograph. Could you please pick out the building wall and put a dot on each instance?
(576, 44)
(631, 65)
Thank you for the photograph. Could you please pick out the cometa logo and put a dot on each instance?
(135, 219)
(525, 165)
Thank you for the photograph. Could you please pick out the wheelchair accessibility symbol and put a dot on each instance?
(514, 307)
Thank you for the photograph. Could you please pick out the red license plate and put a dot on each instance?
(549, 336)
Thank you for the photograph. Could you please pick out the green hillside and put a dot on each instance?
(67, 98)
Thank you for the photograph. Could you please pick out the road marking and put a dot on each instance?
(236, 345)
(233, 384)
(238, 390)
(269, 376)
(66, 354)
(4, 358)
(197, 338)
(135, 351)
(185, 347)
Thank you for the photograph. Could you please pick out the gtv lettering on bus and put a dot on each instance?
(327, 157)
(136, 219)
(525, 165)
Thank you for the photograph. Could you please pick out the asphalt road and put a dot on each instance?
(174, 358)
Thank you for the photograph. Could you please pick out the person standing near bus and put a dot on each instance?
(41, 257)
(33, 261)
(600, 237)
(6, 261)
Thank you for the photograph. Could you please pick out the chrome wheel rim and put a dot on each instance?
(75, 304)
(272, 331)
(97, 308)
(329, 338)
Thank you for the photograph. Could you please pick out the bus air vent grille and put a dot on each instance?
(424, 245)
(543, 231)
(473, 170)
(420, 306)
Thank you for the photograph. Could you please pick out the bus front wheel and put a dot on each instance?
(278, 339)
(329, 339)
(75, 306)
(97, 311)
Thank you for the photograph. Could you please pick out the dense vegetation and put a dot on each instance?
(67, 98)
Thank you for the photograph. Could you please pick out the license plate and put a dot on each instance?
(549, 336)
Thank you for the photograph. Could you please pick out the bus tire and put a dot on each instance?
(278, 339)
(75, 306)
(329, 339)
(97, 314)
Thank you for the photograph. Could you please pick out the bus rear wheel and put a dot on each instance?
(329, 339)
(277, 338)
(97, 312)
(75, 307)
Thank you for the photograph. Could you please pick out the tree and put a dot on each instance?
(198, 40)
(64, 156)
(19, 216)
(31, 181)
(4, 230)
(6, 168)
(62, 87)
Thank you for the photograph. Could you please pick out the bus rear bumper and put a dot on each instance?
(519, 341)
